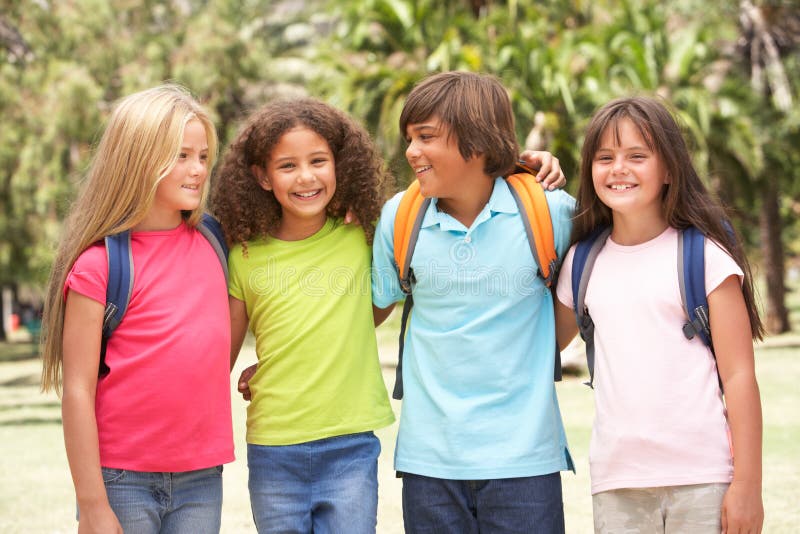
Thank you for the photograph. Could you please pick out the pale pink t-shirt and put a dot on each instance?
(659, 415)
(165, 406)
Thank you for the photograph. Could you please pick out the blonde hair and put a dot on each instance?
(139, 147)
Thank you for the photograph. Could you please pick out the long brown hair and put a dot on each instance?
(246, 211)
(685, 202)
(139, 147)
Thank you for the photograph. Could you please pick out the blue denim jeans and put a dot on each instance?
(527, 505)
(324, 486)
(166, 503)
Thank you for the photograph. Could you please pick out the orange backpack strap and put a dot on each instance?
(530, 197)
(532, 202)
(407, 223)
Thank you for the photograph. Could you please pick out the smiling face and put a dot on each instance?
(181, 189)
(629, 176)
(438, 164)
(301, 174)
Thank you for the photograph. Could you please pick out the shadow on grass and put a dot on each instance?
(32, 421)
(15, 352)
(23, 406)
(21, 381)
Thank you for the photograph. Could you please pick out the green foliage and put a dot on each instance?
(560, 60)
(55, 99)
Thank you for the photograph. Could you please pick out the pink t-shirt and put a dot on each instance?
(659, 415)
(166, 403)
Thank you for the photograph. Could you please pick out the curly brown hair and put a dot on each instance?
(246, 211)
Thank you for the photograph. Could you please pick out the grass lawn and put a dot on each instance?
(36, 494)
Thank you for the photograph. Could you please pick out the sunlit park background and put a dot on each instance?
(731, 70)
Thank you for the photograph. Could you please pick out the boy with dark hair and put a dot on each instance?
(481, 443)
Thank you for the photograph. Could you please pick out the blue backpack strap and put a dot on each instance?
(118, 290)
(120, 276)
(212, 231)
(691, 277)
(586, 252)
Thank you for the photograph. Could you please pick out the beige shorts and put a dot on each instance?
(694, 509)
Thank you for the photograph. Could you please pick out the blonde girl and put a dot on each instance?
(145, 440)
(667, 454)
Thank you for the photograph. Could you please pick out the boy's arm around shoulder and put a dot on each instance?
(742, 506)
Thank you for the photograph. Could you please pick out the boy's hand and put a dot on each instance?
(243, 385)
(549, 172)
(742, 509)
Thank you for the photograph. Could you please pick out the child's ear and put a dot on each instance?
(261, 176)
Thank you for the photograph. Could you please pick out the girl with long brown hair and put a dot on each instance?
(667, 453)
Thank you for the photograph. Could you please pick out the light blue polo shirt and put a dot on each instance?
(479, 398)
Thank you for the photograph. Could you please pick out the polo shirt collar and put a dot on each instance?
(501, 201)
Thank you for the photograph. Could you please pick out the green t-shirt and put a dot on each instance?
(310, 308)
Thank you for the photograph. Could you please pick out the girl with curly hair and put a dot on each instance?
(300, 278)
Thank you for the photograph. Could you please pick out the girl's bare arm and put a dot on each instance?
(83, 322)
(566, 327)
(742, 507)
(239, 322)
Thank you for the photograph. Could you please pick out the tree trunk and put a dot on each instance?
(768, 79)
(3, 336)
(777, 315)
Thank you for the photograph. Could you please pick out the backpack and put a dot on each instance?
(120, 276)
(530, 198)
(691, 278)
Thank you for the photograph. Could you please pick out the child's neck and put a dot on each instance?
(466, 207)
(157, 221)
(297, 230)
(636, 229)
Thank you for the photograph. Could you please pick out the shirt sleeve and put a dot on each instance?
(564, 288)
(385, 282)
(235, 287)
(89, 274)
(719, 266)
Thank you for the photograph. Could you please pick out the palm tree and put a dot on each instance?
(770, 33)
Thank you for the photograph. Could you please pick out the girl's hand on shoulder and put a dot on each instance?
(351, 217)
(243, 385)
(742, 509)
(98, 519)
(549, 172)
